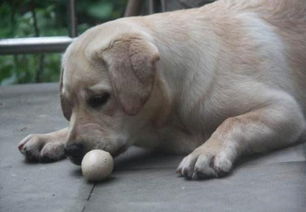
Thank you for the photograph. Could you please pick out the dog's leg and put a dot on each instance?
(44, 147)
(277, 124)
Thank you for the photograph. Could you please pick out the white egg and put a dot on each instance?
(97, 165)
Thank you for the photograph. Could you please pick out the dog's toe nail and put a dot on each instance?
(20, 147)
(195, 176)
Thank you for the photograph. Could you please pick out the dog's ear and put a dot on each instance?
(131, 63)
(66, 107)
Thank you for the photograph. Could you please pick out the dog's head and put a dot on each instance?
(106, 81)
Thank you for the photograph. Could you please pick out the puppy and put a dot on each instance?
(216, 83)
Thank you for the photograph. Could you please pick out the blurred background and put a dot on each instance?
(35, 18)
(39, 18)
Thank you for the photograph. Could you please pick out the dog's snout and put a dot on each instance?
(74, 150)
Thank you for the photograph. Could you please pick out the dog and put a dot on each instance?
(216, 83)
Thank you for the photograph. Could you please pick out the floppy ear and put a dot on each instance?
(65, 105)
(131, 63)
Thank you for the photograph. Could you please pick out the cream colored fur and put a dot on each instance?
(216, 82)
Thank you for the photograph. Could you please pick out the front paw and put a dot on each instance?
(41, 148)
(204, 164)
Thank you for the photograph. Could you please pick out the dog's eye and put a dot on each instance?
(98, 100)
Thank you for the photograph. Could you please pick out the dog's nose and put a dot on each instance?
(74, 150)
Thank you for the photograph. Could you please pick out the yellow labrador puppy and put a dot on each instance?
(216, 82)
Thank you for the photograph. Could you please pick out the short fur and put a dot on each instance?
(216, 82)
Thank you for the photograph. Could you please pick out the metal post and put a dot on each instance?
(151, 6)
(72, 19)
(163, 5)
(133, 8)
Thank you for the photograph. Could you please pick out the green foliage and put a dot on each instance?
(17, 20)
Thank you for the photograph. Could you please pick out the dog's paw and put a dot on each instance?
(205, 164)
(41, 148)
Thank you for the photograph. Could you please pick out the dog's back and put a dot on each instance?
(283, 19)
(289, 21)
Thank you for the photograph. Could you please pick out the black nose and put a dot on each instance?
(74, 150)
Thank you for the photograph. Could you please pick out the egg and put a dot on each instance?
(97, 165)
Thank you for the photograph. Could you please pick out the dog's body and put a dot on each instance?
(223, 80)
